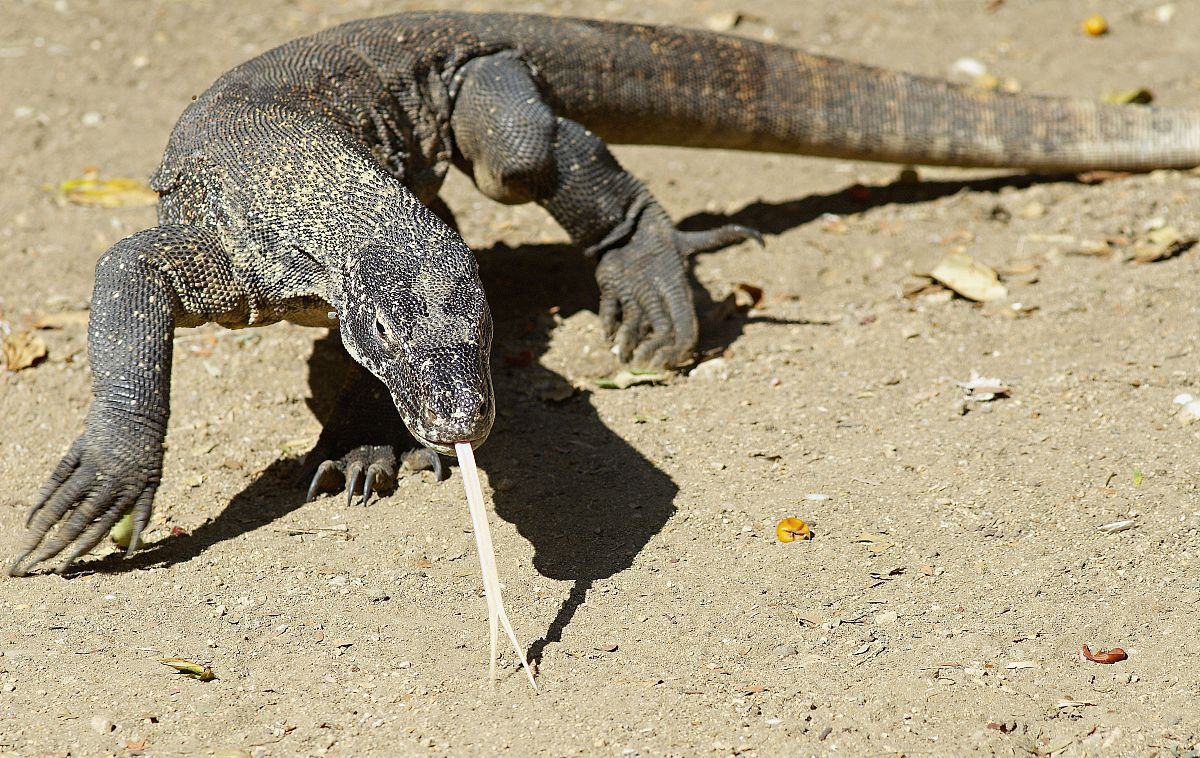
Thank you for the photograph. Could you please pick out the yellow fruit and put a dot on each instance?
(792, 529)
(1095, 25)
(122, 531)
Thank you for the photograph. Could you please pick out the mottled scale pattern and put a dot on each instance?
(298, 187)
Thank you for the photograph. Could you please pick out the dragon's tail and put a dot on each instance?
(652, 85)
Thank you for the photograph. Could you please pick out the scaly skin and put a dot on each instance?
(298, 187)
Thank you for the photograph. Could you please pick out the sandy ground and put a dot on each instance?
(636, 527)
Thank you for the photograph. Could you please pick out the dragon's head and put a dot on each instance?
(414, 314)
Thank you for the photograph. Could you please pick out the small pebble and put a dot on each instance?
(1033, 210)
(723, 21)
(715, 370)
(102, 725)
(968, 67)
(886, 617)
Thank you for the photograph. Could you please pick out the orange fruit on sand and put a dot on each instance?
(792, 529)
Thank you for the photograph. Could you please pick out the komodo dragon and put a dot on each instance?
(299, 188)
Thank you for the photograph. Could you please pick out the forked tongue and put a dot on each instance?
(487, 559)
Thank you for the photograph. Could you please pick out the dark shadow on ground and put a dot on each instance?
(587, 500)
(777, 218)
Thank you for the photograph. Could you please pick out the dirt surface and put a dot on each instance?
(636, 527)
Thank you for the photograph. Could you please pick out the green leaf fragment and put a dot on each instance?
(626, 378)
(1139, 96)
(190, 669)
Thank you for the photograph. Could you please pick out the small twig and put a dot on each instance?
(297, 530)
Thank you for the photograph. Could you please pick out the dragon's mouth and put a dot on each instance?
(444, 448)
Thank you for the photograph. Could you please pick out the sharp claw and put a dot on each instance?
(367, 485)
(424, 458)
(753, 234)
(313, 487)
(141, 517)
(34, 510)
(352, 475)
(691, 243)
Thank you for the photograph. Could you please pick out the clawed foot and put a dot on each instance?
(378, 463)
(90, 490)
(645, 298)
(424, 459)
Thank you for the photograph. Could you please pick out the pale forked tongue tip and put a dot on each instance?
(487, 560)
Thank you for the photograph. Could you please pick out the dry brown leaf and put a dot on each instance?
(61, 320)
(969, 278)
(23, 350)
(876, 543)
(1101, 175)
(557, 392)
(1116, 655)
(922, 288)
(748, 295)
(1161, 244)
(741, 300)
(984, 388)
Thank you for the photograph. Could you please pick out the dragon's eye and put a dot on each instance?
(382, 330)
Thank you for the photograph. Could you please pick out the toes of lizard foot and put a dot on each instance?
(362, 471)
(690, 243)
(352, 474)
(327, 478)
(89, 491)
(424, 459)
